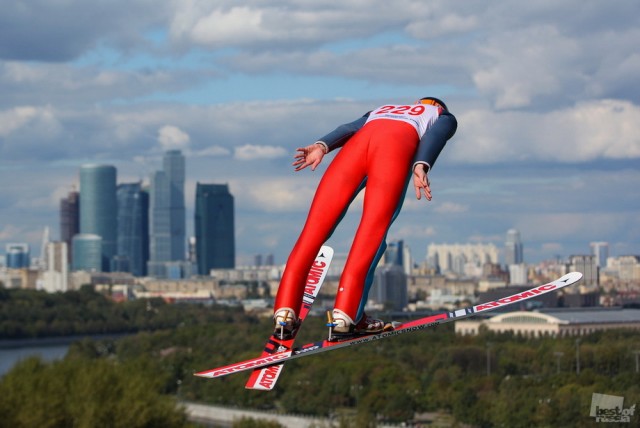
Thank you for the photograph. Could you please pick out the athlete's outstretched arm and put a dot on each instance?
(339, 136)
(308, 156)
(434, 140)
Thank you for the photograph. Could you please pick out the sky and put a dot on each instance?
(546, 93)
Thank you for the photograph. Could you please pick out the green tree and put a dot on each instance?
(81, 393)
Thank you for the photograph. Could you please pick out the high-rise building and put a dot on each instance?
(257, 260)
(174, 167)
(398, 254)
(453, 257)
(513, 248)
(17, 256)
(133, 229)
(601, 252)
(69, 219)
(586, 264)
(394, 253)
(390, 287)
(98, 208)
(215, 229)
(269, 260)
(56, 277)
(87, 252)
(167, 221)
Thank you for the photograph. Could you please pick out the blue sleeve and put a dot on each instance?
(434, 140)
(339, 136)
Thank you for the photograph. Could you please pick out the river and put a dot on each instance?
(10, 356)
(49, 349)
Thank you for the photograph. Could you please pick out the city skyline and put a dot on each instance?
(546, 100)
(513, 243)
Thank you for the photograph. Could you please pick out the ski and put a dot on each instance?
(265, 378)
(410, 326)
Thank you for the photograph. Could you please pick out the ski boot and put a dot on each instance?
(342, 327)
(286, 323)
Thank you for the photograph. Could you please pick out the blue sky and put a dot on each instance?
(546, 95)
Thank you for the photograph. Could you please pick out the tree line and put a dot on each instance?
(36, 314)
(487, 380)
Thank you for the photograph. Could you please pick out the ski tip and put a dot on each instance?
(570, 278)
(326, 252)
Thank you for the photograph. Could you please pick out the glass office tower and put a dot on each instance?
(87, 252)
(17, 256)
(214, 228)
(98, 208)
(133, 229)
(167, 218)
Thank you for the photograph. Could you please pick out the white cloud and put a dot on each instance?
(524, 64)
(450, 208)
(213, 151)
(254, 152)
(298, 23)
(585, 132)
(27, 118)
(273, 195)
(173, 138)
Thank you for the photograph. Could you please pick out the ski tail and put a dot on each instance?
(265, 378)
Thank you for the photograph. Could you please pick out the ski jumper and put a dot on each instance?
(378, 152)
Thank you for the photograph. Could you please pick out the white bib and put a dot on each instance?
(420, 116)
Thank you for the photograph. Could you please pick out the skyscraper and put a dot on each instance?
(17, 256)
(174, 168)
(214, 226)
(601, 252)
(390, 287)
(167, 221)
(69, 219)
(56, 276)
(394, 255)
(98, 208)
(513, 248)
(133, 229)
(87, 252)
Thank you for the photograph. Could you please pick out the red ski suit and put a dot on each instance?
(378, 151)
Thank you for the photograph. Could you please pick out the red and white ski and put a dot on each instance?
(410, 326)
(265, 378)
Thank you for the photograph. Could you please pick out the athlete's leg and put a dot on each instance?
(389, 160)
(339, 185)
(383, 246)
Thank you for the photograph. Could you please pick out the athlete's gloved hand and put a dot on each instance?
(421, 181)
(308, 156)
